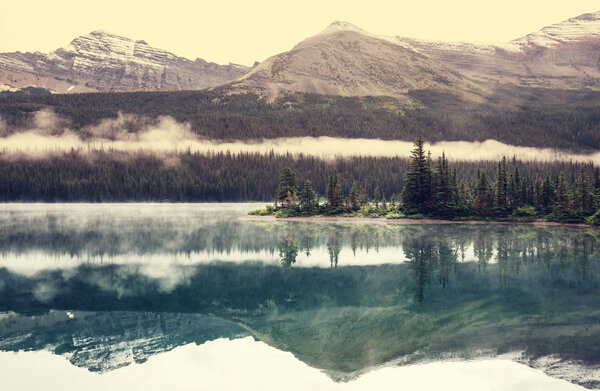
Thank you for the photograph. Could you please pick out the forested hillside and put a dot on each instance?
(518, 116)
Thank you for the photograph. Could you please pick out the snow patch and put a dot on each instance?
(571, 30)
(341, 26)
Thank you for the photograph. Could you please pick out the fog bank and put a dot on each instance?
(48, 134)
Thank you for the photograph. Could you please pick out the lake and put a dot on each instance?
(190, 296)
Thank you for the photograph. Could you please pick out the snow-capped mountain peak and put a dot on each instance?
(100, 32)
(337, 26)
(103, 61)
(571, 30)
(589, 17)
(102, 45)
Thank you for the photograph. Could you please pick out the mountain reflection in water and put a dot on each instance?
(109, 287)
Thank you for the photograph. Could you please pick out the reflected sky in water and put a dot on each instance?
(246, 364)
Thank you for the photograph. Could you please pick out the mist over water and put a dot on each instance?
(49, 134)
(105, 286)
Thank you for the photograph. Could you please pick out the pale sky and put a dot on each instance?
(247, 31)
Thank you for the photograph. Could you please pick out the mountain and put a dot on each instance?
(348, 61)
(341, 60)
(105, 341)
(345, 320)
(563, 55)
(101, 61)
(581, 28)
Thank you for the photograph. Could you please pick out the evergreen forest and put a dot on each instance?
(512, 115)
(433, 188)
(369, 186)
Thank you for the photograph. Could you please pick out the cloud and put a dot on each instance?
(131, 133)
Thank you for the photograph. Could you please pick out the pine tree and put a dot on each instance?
(363, 195)
(484, 199)
(367, 190)
(338, 192)
(561, 194)
(596, 188)
(454, 190)
(308, 199)
(288, 182)
(334, 190)
(329, 192)
(500, 200)
(547, 195)
(537, 193)
(515, 189)
(582, 195)
(353, 197)
(530, 191)
(525, 192)
(417, 187)
(384, 203)
(376, 196)
(443, 184)
(464, 195)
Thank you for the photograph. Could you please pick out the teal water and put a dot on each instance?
(107, 285)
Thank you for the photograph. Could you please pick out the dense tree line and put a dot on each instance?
(120, 176)
(434, 188)
(542, 118)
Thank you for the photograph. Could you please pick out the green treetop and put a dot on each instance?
(417, 187)
(334, 190)
(288, 182)
(309, 201)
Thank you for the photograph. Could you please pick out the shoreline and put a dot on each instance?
(382, 221)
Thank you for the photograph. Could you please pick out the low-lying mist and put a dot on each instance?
(50, 134)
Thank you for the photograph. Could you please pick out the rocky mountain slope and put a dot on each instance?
(105, 341)
(563, 55)
(345, 60)
(583, 27)
(342, 60)
(348, 61)
(101, 61)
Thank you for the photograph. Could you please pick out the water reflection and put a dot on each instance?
(193, 234)
(104, 341)
(341, 298)
(334, 247)
(288, 249)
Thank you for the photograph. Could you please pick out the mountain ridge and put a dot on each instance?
(106, 62)
(347, 61)
(343, 60)
(471, 69)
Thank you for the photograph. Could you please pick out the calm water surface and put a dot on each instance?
(105, 286)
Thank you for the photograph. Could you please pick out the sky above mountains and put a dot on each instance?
(243, 32)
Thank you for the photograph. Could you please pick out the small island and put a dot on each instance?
(439, 194)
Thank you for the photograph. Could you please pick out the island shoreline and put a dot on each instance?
(425, 221)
